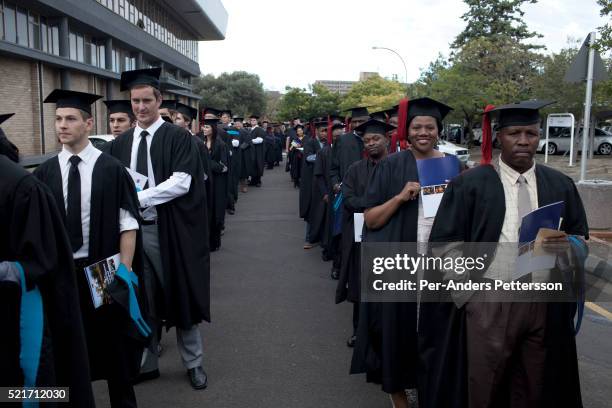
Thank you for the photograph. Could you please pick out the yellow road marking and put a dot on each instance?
(598, 309)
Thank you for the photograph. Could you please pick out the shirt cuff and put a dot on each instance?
(126, 221)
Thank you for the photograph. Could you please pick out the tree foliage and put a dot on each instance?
(240, 91)
(375, 92)
(495, 19)
(605, 32)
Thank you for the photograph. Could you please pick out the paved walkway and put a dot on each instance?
(277, 339)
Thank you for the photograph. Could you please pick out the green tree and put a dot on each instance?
(375, 92)
(294, 103)
(240, 91)
(495, 19)
(605, 32)
(322, 102)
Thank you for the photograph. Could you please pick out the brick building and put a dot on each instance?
(83, 45)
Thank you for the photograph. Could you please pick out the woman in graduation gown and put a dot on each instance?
(295, 155)
(32, 233)
(218, 165)
(386, 344)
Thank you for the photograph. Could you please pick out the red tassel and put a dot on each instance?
(486, 146)
(329, 130)
(347, 120)
(402, 125)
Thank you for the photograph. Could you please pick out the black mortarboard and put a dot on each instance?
(322, 123)
(212, 111)
(338, 125)
(4, 117)
(253, 117)
(392, 111)
(427, 107)
(237, 118)
(72, 99)
(211, 122)
(169, 104)
(518, 114)
(229, 112)
(149, 76)
(186, 110)
(119, 106)
(374, 126)
(380, 115)
(358, 112)
(296, 127)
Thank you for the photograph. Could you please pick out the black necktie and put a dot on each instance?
(73, 211)
(142, 161)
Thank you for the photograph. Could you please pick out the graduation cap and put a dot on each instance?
(374, 126)
(4, 117)
(149, 76)
(227, 111)
(359, 112)
(254, 117)
(211, 122)
(427, 107)
(237, 118)
(72, 99)
(322, 123)
(518, 114)
(186, 110)
(337, 125)
(300, 126)
(380, 115)
(211, 111)
(394, 111)
(119, 106)
(169, 104)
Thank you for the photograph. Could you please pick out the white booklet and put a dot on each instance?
(139, 179)
(99, 275)
(358, 220)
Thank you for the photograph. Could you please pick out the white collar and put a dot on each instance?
(87, 154)
(151, 129)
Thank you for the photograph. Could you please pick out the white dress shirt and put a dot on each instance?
(509, 178)
(175, 186)
(88, 156)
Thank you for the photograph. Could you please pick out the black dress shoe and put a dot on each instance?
(335, 274)
(197, 378)
(149, 375)
(351, 341)
(231, 211)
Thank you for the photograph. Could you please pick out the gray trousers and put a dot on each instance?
(189, 341)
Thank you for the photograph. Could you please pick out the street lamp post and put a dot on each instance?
(400, 57)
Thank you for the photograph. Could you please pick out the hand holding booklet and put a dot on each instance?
(434, 176)
(99, 275)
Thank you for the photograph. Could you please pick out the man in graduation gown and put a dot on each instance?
(236, 167)
(522, 354)
(312, 210)
(323, 196)
(33, 240)
(97, 199)
(257, 135)
(120, 116)
(348, 149)
(176, 267)
(247, 154)
(167, 110)
(185, 116)
(354, 187)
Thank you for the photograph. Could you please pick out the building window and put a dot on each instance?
(34, 32)
(54, 37)
(43, 34)
(10, 28)
(80, 48)
(22, 27)
(101, 56)
(72, 41)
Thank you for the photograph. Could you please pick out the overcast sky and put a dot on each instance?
(294, 42)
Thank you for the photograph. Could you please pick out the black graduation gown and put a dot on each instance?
(7, 148)
(270, 149)
(208, 180)
(114, 344)
(248, 155)
(258, 152)
(354, 187)
(294, 157)
(183, 224)
(311, 146)
(386, 346)
(218, 160)
(321, 214)
(32, 232)
(475, 202)
(347, 149)
(235, 170)
(279, 145)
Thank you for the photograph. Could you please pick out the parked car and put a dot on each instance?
(99, 140)
(607, 129)
(560, 141)
(450, 148)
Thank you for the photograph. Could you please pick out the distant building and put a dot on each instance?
(84, 45)
(343, 87)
